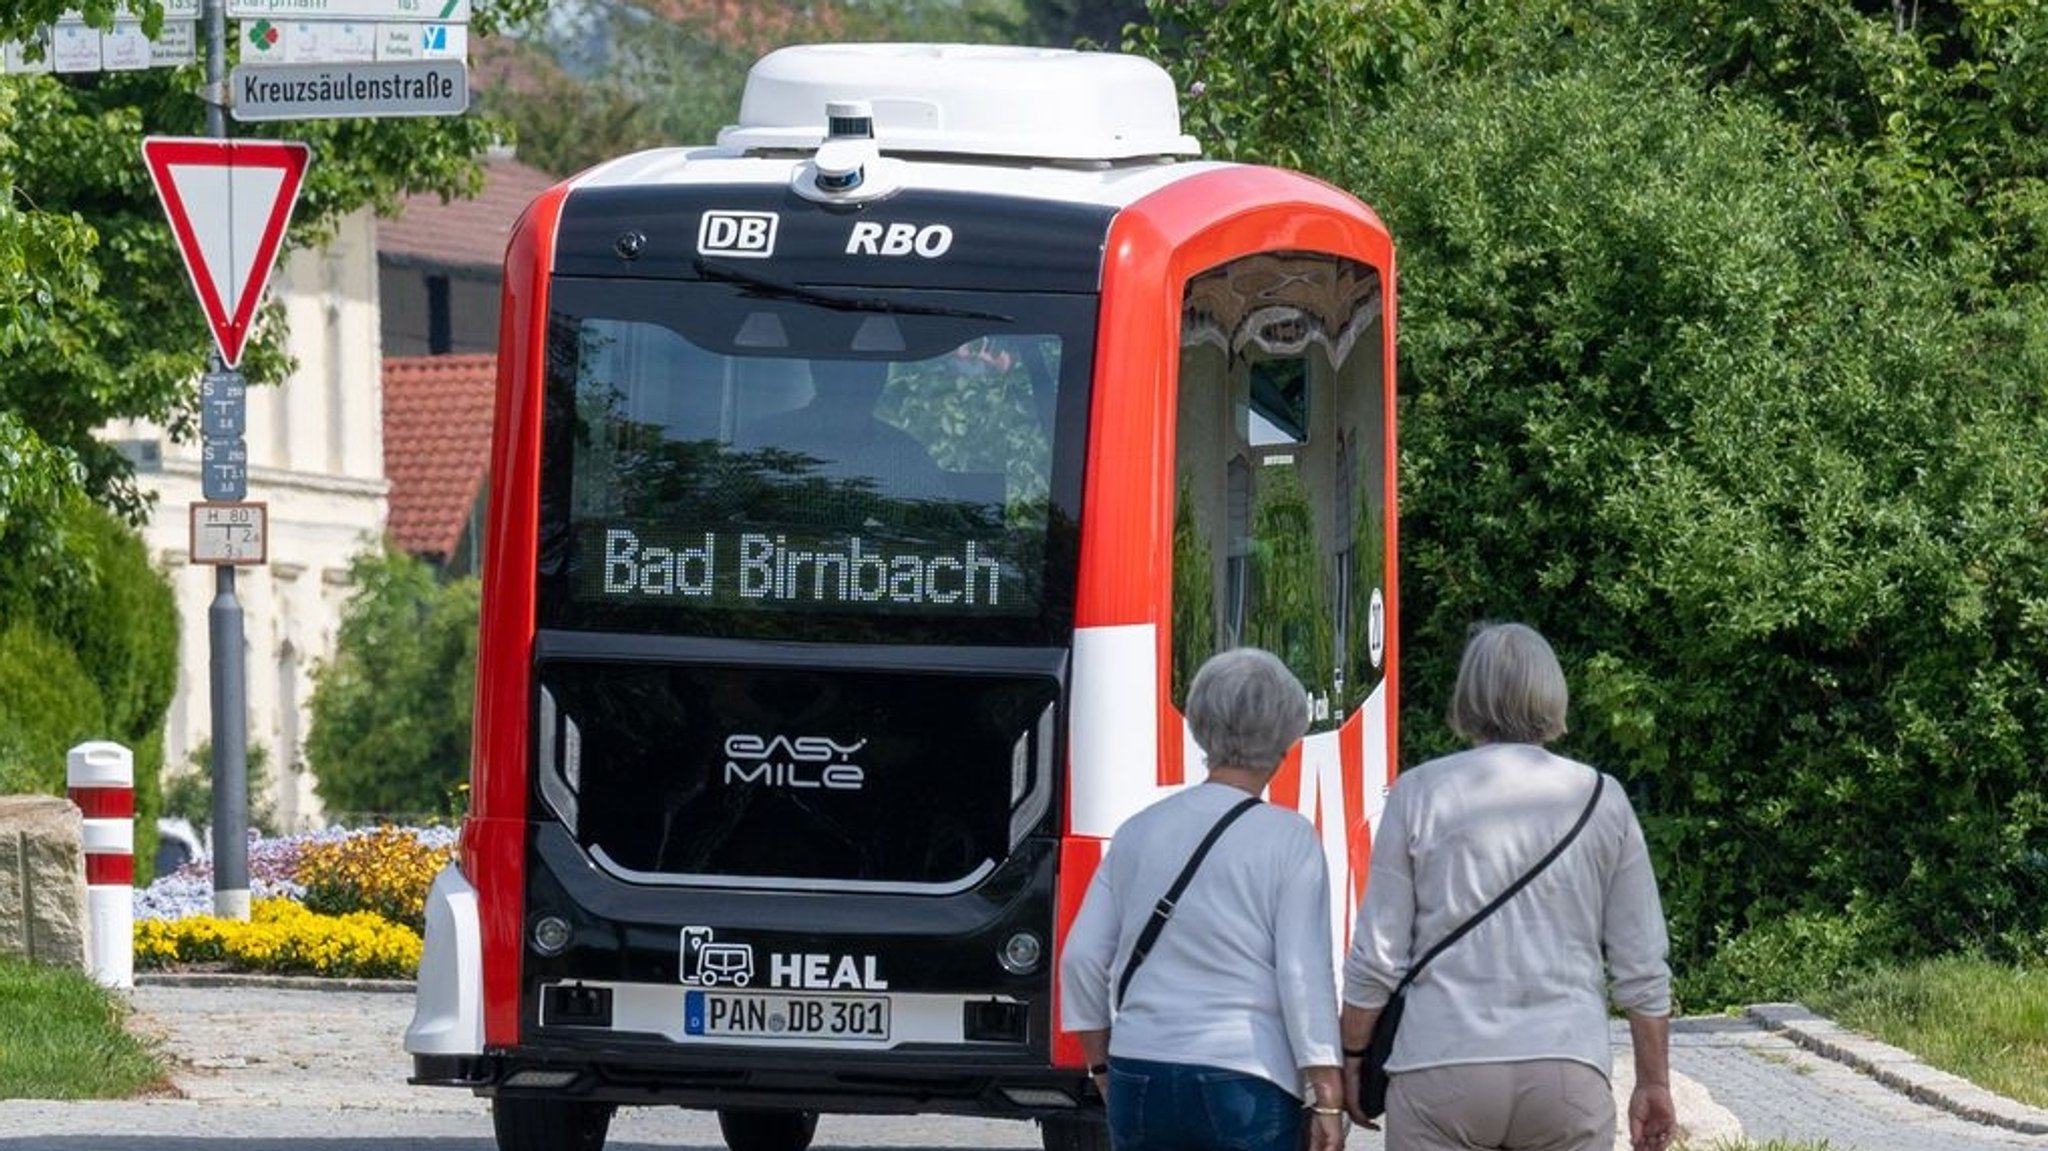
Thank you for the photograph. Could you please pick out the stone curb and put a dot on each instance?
(275, 982)
(1897, 1069)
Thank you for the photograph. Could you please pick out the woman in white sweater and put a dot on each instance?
(1504, 1041)
(1226, 1036)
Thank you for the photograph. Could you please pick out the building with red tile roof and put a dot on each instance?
(439, 262)
(437, 442)
(439, 266)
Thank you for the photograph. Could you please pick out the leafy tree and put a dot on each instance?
(391, 712)
(1937, 109)
(1282, 81)
(1083, 23)
(97, 322)
(188, 790)
(1770, 482)
(671, 71)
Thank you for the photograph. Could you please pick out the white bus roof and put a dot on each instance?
(966, 99)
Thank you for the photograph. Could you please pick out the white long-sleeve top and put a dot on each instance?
(1241, 976)
(1531, 981)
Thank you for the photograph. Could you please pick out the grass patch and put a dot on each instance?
(61, 1037)
(1984, 1021)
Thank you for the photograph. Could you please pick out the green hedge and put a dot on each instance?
(88, 654)
(1674, 391)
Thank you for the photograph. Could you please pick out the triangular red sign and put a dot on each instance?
(228, 202)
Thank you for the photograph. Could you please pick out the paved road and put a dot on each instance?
(292, 1068)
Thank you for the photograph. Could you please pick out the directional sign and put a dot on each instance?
(228, 203)
(230, 533)
(348, 42)
(438, 11)
(173, 10)
(343, 91)
(125, 48)
(76, 48)
(70, 46)
(15, 57)
(422, 41)
(308, 42)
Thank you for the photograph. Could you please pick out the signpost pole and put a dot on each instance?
(228, 679)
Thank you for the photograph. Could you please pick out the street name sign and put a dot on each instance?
(228, 202)
(230, 533)
(344, 91)
(431, 11)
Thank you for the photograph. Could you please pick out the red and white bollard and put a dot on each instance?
(101, 781)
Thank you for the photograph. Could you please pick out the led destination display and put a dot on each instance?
(768, 569)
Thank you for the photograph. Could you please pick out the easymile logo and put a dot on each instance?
(747, 235)
(799, 762)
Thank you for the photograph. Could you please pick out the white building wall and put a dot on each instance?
(316, 456)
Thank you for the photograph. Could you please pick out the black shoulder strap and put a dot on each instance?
(1164, 908)
(1599, 784)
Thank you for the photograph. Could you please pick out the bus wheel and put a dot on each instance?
(1074, 1134)
(767, 1130)
(550, 1124)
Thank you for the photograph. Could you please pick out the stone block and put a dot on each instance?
(42, 880)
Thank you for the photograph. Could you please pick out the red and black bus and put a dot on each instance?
(865, 490)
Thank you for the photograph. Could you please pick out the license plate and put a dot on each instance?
(744, 1015)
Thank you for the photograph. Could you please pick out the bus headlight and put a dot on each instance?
(1021, 953)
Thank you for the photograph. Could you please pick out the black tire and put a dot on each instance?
(1076, 1134)
(550, 1124)
(767, 1130)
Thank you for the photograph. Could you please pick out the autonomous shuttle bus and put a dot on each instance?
(865, 490)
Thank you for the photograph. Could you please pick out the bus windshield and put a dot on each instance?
(732, 459)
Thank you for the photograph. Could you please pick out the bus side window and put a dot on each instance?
(1277, 430)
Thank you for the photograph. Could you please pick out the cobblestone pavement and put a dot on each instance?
(1765, 1071)
(325, 1060)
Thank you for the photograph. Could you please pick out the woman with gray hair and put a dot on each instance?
(1503, 1042)
(1227, 1037)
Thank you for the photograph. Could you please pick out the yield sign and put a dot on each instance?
(228, 202)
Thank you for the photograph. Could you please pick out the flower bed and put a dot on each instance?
(336, 903)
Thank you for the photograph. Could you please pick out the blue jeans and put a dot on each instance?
(1188, 1107)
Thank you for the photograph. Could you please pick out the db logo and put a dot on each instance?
(874, 239)
(750, 235)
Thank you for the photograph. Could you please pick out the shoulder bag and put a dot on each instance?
(1372, 1071)
(1162, 910)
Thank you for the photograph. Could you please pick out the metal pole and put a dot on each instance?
(216, 15)
(224, 617)
(230, 751)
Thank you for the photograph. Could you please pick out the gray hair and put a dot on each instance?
(1510, 688)
(1246, 709)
